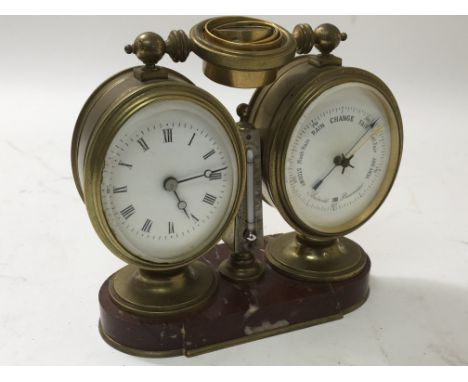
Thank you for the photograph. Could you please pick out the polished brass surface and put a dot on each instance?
(242, 266)
(305, 38)
(238, 51)
(328, 37)
(238, 78)
(178, 45)
(144, 73)
(111, 91)
(149, 47)
(154, 293)
(304, 259)
(106, 110)
(322, 60)
(275, 110)
(242, 52)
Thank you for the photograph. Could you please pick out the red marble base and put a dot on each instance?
(238, 312)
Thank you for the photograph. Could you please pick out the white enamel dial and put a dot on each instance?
(169, 181)
(338, 156)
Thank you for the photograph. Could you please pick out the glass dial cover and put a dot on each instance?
(169, 181)
(338, 157)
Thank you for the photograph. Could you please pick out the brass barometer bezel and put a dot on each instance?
(110, 121)
(277, 109)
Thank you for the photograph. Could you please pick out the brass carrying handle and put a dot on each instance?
(149, 47)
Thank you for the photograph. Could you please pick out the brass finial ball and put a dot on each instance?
(328, 37)
(149, 47)
(242, 111)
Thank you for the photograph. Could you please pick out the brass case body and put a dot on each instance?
(105, 112)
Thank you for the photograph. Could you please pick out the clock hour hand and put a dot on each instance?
(182, 204)
(170, 184)
(207, 174)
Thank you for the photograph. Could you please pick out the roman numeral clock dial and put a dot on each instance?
(168, 180)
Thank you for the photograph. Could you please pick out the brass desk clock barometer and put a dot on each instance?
(165, 173)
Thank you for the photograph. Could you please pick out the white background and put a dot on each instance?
(52, 263)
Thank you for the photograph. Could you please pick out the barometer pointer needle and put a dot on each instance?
(369, 128)
(317, 185)
(337, 162)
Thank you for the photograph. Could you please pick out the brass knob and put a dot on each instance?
(178, 46)
(305, 38)
(149, 47)
(242, 111)
(328, 37)
(325, 38)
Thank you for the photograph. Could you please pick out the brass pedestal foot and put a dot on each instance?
(337, 259)
(242, 266)
(153, 293)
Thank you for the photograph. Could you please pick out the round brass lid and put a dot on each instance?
(242, 52)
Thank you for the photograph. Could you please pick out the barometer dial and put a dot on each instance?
(332, 141)
(338, 157)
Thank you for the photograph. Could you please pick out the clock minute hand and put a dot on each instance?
(190, 178)
(205, 174)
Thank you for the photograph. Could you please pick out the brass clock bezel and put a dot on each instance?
(106, 128)
(285, 119)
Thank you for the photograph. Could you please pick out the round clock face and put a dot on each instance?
(338, 156)
(169, 181)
